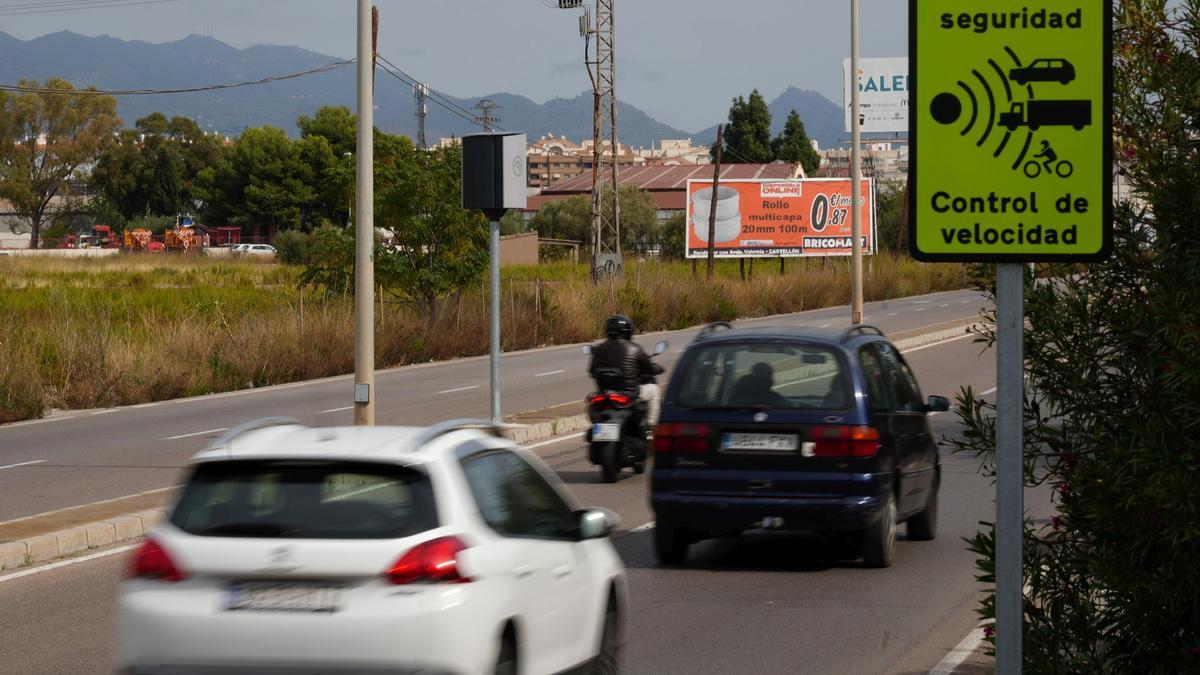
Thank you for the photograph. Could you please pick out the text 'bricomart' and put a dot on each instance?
(982, 22)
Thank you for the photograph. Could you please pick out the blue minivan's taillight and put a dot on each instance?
(838, 440)
(681, 438)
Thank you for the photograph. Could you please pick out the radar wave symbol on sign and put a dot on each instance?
(988, 94)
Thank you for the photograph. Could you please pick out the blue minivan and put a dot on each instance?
(796, 429)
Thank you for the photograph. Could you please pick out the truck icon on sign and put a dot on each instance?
(1036, 113)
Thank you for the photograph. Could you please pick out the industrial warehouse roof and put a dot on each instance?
(666, 184)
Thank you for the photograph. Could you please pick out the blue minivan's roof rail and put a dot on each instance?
(713, 327)
(861, 329)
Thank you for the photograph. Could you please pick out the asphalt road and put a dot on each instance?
(78, 457)
(764, 604)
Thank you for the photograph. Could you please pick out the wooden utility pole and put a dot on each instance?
(712, 209)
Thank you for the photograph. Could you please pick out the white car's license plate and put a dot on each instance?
(769, 442)
(606, 432)
(282, 596)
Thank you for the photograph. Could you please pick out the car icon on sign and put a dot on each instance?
(1044, 70)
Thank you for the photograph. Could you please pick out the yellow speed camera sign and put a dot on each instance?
(1010, 127)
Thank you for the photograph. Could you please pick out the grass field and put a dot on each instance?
(88, 333)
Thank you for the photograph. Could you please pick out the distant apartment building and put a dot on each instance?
(553, 158)
(884, 161)
(676, 152)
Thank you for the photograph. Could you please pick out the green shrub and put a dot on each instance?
(292, 247)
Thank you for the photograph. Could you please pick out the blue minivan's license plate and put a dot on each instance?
(764, 442)
(606, 432)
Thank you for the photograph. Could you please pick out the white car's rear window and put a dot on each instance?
(305, 499)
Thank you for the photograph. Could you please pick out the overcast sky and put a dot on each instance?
(679, 60)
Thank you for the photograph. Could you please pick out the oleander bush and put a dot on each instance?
(1111, 422)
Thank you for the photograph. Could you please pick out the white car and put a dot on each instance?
(445, 549)
(255, 249)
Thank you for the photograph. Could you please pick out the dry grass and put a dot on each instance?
(134, 329)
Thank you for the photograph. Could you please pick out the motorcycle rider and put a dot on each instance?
(619, 353)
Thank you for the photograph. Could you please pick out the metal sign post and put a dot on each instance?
(1010, 470)
(1011, 132)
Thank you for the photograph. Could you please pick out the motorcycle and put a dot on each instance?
(617, 437)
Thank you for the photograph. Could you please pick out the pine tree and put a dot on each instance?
(793, 145)
(748, 132)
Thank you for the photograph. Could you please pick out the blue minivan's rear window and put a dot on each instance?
(763, 375)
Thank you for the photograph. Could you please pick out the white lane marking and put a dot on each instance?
(451, 391)
(893, 313)
(13, 466)
(144, 405)
(552, 441)
(944, 305)
(961, 652)
(964, 302)
(642, 528)
(939, 343)
(102, 501)
(331, 410)
(985, 393)
(825, 325)
(195, 433)
(552, 372)
(64, 563)
(922, 309)
(921, 302)
(105, 412)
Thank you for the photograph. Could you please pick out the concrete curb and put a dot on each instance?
(70, 541)
(73, 540)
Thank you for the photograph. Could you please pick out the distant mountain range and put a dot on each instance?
(111, 63)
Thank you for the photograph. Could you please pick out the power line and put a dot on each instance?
(140, 92)
(71, 6)
(433, 95)
(437, 96)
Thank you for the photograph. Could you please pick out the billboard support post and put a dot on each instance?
(712, 211)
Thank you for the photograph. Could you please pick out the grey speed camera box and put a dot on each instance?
(493, 172)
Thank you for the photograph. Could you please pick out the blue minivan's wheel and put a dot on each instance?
(879, 539)
(923, 526)
(670, 543)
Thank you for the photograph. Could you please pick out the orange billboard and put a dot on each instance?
(777, 218)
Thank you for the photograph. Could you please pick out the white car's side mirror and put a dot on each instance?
(597, 523)
(661, 347)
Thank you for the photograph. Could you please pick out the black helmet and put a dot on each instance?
(618, 326)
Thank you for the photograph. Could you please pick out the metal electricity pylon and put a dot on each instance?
(420, 93)
(487, 113)
(600, 61)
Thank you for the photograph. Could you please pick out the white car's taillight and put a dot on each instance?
(151, 561)
(430, 562)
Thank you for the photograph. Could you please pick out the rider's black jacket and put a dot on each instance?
(621, 365)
